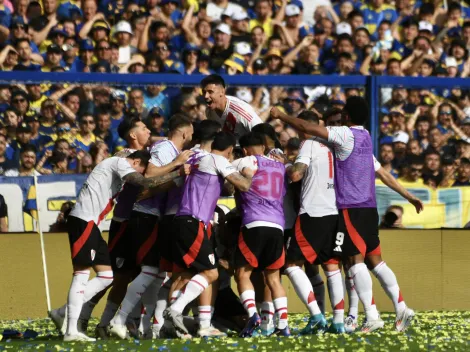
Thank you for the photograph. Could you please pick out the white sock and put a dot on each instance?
(134, 293)
(319, 290)
(336, 292)
(109, 312)
(162, 304)
(353, 298)
(303, 288)
(175, 295)
(267, 313)
(75, 299)
(149, 300)
(388, 280)
(248, 300)
(101, 281)
(204, 313)
(363, 285)
(193, 289)
(280, 306)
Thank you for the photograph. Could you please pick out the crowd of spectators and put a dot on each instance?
(65, 128)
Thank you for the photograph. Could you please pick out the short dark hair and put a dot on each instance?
(223, 141)
(387, 22)
(293, 143)
(331, 112)
(357, 109)
(422, 118)
(309, 115)
(355, 13)
(346, 37)
(213, 79)
(266, 130)
(206, 130)
(432, 152)
(415, 160)
(427, 8)
(386, 145)
(29, 148)
(347, 56)
(21, 40)
(251, 139)
(392, 60)
(177, 121)
(126, 126)
(143, 155)
(60, 140)
(454, 6)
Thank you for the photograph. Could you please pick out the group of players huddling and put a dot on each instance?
(172, 249)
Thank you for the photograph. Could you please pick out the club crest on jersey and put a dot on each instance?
(93, 254)
(119, 262)
(212, 258)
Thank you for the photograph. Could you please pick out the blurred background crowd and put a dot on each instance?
(65, 128)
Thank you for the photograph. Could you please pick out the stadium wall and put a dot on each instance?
(424, 261)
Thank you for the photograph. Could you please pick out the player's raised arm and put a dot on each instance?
(241, 182)
(297, 171)
(390, 181)
(299, 124)
(138, 179)
(138, 161)
(153, 170)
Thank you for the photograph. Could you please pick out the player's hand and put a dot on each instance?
(247, 172)
(276, 113)
(223, 263)
(183, 157)
(417, 204)
(185, 170)
(282, 158)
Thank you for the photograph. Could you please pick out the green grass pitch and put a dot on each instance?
(431, 331)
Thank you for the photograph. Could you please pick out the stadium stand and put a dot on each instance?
(74, 126)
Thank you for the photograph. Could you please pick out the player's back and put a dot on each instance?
(175, 193)
(202, 188)
(355, 174)
(126, 198)
(101, 187)
(317, 195)
(264, 200)
(162, 153)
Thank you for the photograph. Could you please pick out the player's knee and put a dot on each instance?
(106, 278)
(211, 275)
(273, 280)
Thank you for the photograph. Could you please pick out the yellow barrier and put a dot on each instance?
(424, 261)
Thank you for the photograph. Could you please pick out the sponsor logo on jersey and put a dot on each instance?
(93, 254)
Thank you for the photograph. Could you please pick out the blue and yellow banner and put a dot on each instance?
(447, 207)
(443, 207)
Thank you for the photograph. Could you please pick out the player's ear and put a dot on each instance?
(245, 151)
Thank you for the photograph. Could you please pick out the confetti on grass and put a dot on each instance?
(431, 331)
